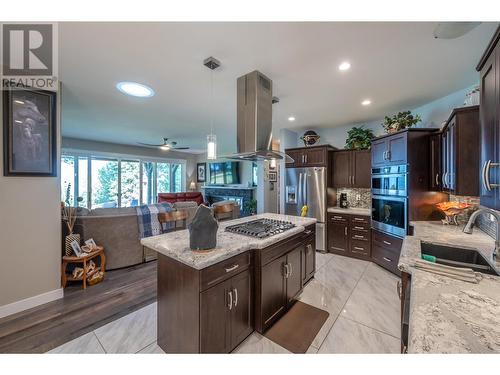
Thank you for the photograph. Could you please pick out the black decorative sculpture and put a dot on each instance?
(203, 229)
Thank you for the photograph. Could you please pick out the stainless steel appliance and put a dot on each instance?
(261, 228)
(390, 180)
(390, 199)
(307, 186)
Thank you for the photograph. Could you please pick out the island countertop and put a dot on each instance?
(449, 315)
(176, 244)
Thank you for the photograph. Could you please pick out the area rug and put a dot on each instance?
(298, 327)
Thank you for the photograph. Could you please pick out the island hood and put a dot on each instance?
(254, 119)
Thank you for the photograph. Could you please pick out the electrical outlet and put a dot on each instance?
(358, 197)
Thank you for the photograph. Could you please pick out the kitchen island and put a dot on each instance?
(210, 301)
(446, 315)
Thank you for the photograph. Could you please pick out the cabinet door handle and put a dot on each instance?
(388, 155)
(398, 288)
(230, 304)
(387, 259)
(235, 297)
(387, 242)
(285, 266)
(309, 248)
(291, 269)
(486, 175)
(437, 179)
(345, 231)
(232, 268)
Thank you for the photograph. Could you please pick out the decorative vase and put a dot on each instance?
(68, 250)
(392, 130)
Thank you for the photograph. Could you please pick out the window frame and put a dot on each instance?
(76, 154)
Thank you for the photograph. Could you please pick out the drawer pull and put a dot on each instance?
(359, 248)
(338, 217)
(359, 219)
(232, 268)
(359, 228)
(387, 259)
(358, 236)
(387, 243)
(307, 231)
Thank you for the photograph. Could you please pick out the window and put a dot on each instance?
(130, 183)
(94, 181)
(163, 177)
(104, 183)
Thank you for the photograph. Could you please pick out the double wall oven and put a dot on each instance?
(390, 199)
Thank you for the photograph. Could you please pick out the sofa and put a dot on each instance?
(194, 196)
(117, 230)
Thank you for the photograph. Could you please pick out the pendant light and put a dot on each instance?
(211, 63)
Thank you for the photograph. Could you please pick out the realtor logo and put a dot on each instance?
(27, 50)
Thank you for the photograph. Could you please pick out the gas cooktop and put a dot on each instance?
(261, 228)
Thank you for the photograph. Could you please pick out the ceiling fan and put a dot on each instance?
(166, 145)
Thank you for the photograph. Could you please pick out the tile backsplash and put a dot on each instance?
(364, 195)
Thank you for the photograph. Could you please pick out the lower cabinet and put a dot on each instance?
(226, 317)
(386, 250)
(349, 235)
(281, 271)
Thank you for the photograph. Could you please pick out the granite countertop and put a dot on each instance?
(350, 210)
(449, 315)
(176, 244)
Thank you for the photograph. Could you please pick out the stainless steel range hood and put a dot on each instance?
(254, 118)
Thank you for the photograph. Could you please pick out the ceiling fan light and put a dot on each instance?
(211, 147)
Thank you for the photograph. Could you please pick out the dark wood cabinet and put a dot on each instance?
(385, 250)
(459, 149)
(338, 234)
(226, 314)
(281, 272)
(349, 235)
(314, 156)
(351, 168)
(389, 150)
(489, 68)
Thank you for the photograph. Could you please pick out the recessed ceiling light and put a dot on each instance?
(345, 66)
(291, 118)
(366, 102)
(135, 89)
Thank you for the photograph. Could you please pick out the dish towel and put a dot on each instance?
(464, 274)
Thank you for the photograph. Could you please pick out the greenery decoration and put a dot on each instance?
(359, 138)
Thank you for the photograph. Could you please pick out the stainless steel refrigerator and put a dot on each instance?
(307, 186)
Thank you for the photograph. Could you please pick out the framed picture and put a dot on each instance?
(201, 172)
(91, 243)
(272, 176)
(29, 133)
(76, 248)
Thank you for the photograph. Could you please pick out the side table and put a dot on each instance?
(84, 261)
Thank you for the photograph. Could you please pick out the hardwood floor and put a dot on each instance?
(80, 311)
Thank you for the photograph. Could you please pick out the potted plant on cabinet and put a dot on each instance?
(400, 121)
(359, 138)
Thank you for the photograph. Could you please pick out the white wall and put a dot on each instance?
(433, 115)
(30, 235)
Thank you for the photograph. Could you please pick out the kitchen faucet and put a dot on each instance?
(496, 215)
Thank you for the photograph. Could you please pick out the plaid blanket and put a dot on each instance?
(147, 218)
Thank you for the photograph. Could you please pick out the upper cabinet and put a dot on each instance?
(314, 156)
(389, 150)
(460, 152)
(351, 168)
(489, 114)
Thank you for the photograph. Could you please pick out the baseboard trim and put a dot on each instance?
(30, 302)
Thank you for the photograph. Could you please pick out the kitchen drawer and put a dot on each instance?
(386, 257)
(213, 275)
(309, 233)
(360, 248)
(275, 251)
(360, 235)
(338, 218)
(361, 220)
(386, 241)
(360, 226)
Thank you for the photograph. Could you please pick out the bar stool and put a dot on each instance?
(223, 211)
(172, 217)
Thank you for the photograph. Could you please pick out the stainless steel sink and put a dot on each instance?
(459, 257)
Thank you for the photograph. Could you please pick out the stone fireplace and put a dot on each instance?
(238, 194)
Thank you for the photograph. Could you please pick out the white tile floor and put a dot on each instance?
(360, 297)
